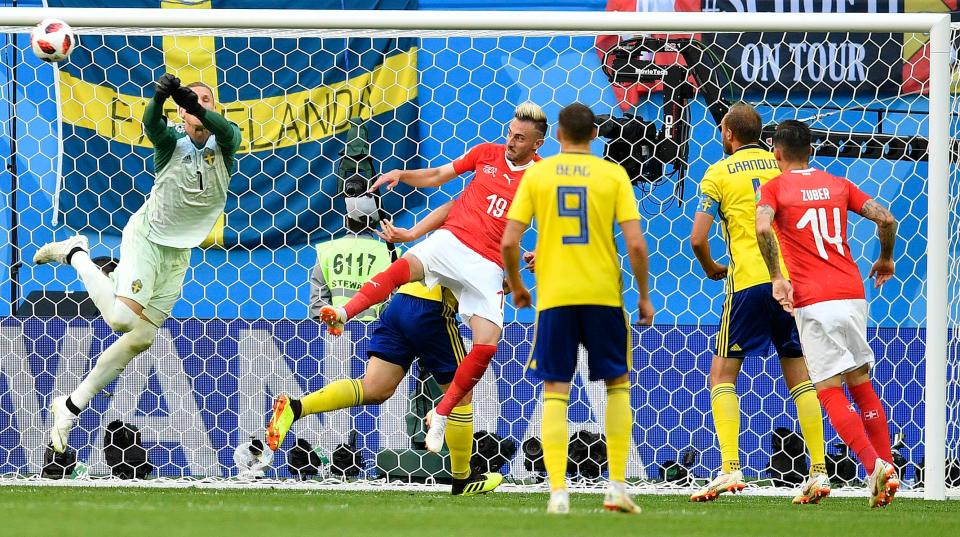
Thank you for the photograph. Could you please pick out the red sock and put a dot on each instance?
(468, 374)
(844, 418)
(378, 288)
(873, 417)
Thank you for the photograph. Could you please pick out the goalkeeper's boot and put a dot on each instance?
(559, 503)
(60, 250)
(816, 488)
(476, 484)
(437, 427)
(732, 482)
(883, 484)
(617, 499)
(280, 422)
(63, 421)
(334, 318)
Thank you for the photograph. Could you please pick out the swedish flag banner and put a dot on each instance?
(292, 99)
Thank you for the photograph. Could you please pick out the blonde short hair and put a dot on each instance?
(530, 111)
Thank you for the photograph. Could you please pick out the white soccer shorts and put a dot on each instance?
(148, 273)
(833, 335)
(476, 281)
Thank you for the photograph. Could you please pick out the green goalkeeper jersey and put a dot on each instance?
(190, 189)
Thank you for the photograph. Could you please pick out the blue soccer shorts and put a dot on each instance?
(413, 327)
(602, 330)
(751, 320)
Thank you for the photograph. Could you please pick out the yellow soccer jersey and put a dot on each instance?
(729, 190)
(575, 199)
(419, 290)
(437, 294)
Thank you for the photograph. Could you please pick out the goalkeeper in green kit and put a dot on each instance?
(193, 163)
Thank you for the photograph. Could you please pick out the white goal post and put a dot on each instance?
(462, 24)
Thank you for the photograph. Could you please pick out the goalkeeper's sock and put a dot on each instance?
(379, 287)
(98, 284)
(726, 421)
(619, 421)
(338, 394)
(873, 417)
(555, 438)
(844, 418)
(468, 374)
(112, 362)
(459, 437)
(810, 417)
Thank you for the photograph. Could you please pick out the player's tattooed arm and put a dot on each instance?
(886, 226)
(883, 269)
(767, 240)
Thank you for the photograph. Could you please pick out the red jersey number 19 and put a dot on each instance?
(816, 218)
(498, 205)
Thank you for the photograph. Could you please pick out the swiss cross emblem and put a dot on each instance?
(490, 170)
(871, 415)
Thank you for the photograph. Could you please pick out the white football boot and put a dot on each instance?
(732, 482)
(617, 499)
(437, 427)
(58, 251)
(815, 488)
(63, 421)
(559, 503)
(883, 484)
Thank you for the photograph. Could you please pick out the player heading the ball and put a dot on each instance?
(464, 254)
(193, 163)
(576, 198)
(825, 293)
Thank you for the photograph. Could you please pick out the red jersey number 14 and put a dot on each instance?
(816, 218)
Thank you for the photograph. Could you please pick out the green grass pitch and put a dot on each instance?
(103, 512)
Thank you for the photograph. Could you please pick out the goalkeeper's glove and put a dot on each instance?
(165, 87)
(187, 99)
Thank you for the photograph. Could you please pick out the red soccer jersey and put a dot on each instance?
(811, 222)
(479, 216)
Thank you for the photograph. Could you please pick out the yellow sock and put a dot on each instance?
(459, 436)
(726, 421)
(810, 417)
(619, 422)
(334, 396)
(555, 438)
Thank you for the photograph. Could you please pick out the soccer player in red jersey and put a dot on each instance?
(464, 254)
(808, 208)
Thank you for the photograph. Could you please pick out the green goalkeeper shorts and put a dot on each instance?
(148, 273)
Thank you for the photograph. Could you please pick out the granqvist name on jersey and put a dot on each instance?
(751, 165)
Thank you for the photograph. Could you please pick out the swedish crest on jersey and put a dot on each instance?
(209, 156)
(136, 286)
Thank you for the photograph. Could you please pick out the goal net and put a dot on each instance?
(80, 162)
